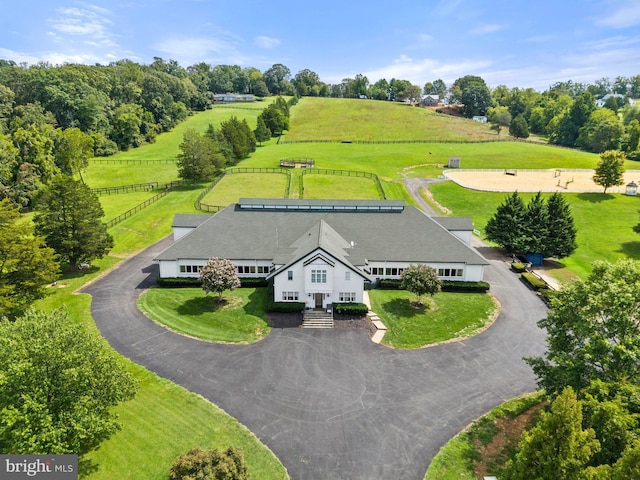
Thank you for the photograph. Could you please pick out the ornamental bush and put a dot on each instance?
(210, 465)
(219, 275)
(351, 308)
(534, 282)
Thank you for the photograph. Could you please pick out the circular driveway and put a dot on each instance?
(330, 403)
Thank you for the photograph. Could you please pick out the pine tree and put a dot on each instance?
(534, 230)
(504, 228)
(70, 219)
(262, 132)
(519, 127)
(556, 447)
(561, 232)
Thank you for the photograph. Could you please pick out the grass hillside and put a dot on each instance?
(352, 119)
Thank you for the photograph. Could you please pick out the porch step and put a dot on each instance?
(317, 319)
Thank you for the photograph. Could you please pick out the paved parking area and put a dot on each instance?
(331, 404)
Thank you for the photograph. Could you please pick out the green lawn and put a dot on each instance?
(455, 460)
(234, 186)
(445, 316)
(100, 174)
(241, 318)
(336, 186)
(354, 119)
(604, 222)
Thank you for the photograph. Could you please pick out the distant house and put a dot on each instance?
(233, 97)
(430, 100)
(323, 251)
(601, 101)
(480, 118)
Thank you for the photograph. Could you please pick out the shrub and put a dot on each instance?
(356, 309)
(178, 282)
(518, 267)
(534, 282)
(469, 287)
(390, 283)
(210, 465)
(286, 307)
(253, 282)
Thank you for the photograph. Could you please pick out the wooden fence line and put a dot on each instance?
(146, 203)
(115, 161)
(205, 206)
(347, 173)
(125, 188)
(389, 142)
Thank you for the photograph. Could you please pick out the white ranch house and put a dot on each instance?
(323, 251)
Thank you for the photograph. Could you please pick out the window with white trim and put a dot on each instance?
(289, 274)
(190, 268)
(347, 296)
(450, 272)
(347, 276)
(290, 296)
(318, 276)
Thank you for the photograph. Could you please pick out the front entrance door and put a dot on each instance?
(318, 300)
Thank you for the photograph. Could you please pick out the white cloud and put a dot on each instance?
(418, 71)
(92, 22)
(263, 41)
(627, 15)
(487, 28)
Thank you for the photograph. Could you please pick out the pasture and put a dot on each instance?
(164, 420)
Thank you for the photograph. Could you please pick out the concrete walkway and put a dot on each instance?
(330, 403)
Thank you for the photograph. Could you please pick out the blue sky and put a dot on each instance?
(521, 43)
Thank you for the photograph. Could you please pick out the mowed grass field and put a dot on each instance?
(351, 119)
(164, 420)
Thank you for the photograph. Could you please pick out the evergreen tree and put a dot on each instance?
(534, 227)
(200, 157)
(518, 127)
(262, 132)
(240, 137)
(26, 264)
(69, 217)
(504, 228)
(556, 447)
(561, 233)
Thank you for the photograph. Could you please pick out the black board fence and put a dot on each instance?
(230, 171)
(146, 203)
(344, 173)
(126, 188)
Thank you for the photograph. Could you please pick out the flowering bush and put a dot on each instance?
(219, 275)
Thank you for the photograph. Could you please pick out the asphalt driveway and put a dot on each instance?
(330, 403)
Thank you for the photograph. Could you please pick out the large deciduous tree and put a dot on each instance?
(603, 131)
(499, 117)
(26, 264)
(420, 280)
(59, 383)
(473, 93)
(593, 330)
(219, 275)
(200, 157)
(610, 169)
(69, 217)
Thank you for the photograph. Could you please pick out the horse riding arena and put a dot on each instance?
(525, 180)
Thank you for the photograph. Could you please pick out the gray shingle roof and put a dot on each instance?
(404, 236)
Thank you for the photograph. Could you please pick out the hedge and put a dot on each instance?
(351, 308)
(468, 287)
(518, 267)
(390, 283)
(178, 282)
(533, 281)
(286, 307)
(253, 282)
